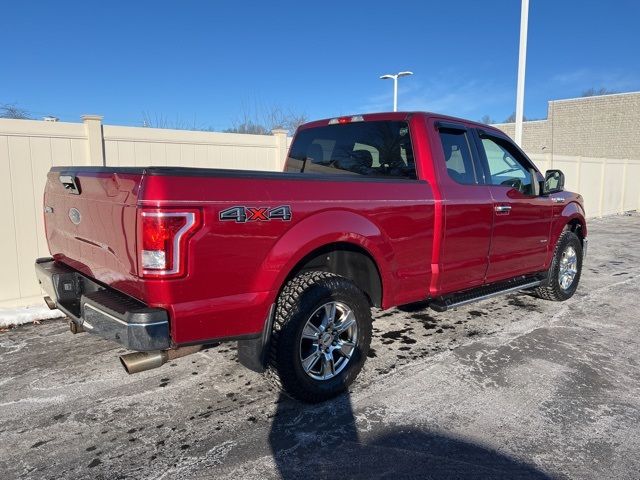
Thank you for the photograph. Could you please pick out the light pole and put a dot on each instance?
(522, 63)
(395, 85)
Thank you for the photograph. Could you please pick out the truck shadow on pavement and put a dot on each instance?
(324, 441)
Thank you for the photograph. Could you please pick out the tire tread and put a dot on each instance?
(279, 374)
(552, 290)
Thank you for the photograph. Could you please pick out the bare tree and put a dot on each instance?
(256, 121)
(247, 126)
(512, 118)
(261, 120)
(248, 123)
(162, 121)
(294, 120)
(13, 111)
(487, 119)
(592, 92)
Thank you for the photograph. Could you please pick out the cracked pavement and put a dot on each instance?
(512, 387)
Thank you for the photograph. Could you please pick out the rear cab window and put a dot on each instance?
(458, 158)
(380, 149)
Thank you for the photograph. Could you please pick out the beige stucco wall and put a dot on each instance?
(604, 126)
(536, 135)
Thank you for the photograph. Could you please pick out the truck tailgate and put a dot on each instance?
(90, 222)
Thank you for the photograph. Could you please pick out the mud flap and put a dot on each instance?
(253, 353)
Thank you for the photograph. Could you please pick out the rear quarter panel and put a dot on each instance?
(235, 270)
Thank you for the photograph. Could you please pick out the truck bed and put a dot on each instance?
(236, 267)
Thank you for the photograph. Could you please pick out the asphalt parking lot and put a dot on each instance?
(514, 387)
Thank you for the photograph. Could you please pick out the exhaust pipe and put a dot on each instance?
(50, 303)
(140, 361)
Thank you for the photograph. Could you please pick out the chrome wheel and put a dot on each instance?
(328, 341)
(568, 267)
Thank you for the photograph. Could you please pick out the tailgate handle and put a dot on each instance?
(70, 184)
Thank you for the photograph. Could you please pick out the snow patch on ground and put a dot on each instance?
(30, 314)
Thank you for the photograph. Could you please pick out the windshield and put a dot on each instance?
(374, 149)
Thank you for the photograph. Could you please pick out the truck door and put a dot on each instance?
(522, 218)
(468, 209)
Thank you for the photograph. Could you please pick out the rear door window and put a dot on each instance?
(457, 156)
(372, 149)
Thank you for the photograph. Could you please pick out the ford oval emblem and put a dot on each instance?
(74, 216)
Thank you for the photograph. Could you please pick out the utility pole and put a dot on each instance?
(522, 63)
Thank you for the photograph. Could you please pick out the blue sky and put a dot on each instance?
(205, 63)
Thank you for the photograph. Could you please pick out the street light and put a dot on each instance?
(395, 85)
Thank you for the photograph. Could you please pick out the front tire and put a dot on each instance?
(566, 267)
(321, 336)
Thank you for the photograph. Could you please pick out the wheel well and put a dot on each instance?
(575, 226)
(349, 261)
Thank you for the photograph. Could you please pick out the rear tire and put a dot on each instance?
(564, 273)
(315, 356)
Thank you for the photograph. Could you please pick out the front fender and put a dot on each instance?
(563, 215)
(322, 229)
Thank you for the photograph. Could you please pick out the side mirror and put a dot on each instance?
(553, 182)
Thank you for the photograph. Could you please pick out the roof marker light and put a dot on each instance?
(343, 120)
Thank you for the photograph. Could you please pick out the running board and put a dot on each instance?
(482, 293)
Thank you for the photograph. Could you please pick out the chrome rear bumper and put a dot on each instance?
(102, 310)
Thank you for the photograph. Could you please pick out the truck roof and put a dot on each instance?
(371, 117)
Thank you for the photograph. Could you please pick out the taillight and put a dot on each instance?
(162, 241)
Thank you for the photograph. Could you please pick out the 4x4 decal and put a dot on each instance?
(256, 214)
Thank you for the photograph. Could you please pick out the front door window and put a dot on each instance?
(505, 169)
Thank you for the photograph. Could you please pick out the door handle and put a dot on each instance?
(503, 209)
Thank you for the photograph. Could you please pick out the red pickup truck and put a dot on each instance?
(374, 210)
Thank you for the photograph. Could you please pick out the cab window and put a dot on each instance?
(506, 167)
(371, 149)
(457, 156)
